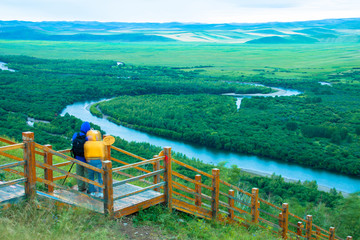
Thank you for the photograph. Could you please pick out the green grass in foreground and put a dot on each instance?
(280, 60)
(25, 221)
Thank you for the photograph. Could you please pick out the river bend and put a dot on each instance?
(264, 166)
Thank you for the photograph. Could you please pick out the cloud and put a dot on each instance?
(267, 4)
(211, 11)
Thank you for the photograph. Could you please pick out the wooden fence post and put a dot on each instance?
(231, 204)
(255, 205)
(156, 167)
(198, 190)
(281, 220)
(215, 193)
(107, 150)
(299, 229)
(168, 178)
(332, 233)
(30, 167)
(308, 227)
(108, 190)
(48, 159)
(285, 221)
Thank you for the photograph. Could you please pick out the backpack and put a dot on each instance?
(78, 145)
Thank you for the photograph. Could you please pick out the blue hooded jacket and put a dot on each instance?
(83, 130)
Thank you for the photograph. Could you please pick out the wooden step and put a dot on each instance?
(122, 207)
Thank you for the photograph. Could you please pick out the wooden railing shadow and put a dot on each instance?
(125, 191)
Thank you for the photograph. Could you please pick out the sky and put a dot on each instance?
(202, 11)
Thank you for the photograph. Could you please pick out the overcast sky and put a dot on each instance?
(205, 11)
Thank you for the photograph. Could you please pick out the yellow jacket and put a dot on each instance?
(94, 148)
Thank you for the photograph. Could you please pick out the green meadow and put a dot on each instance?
(271, 60)
(299, 66)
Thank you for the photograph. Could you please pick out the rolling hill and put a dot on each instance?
(330, 30)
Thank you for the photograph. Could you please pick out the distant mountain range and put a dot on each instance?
(320, 31)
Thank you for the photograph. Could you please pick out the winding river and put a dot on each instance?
(5, 68)
(255, 164)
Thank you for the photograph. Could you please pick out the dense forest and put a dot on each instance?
(316, 130)
(41, 88)
(322, 118)
(319, 128)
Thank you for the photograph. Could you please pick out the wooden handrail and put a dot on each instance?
(192, 191)
(176, 184)
(128, 153)
(6, 141)
(70, 174)
(10, 156)
(64, 151)
(324, 230)
(274, 206)
(192, 168)
(235, 188)
(10, 170)
(269, 214)
(184, 196)
(10, 165)
(13, 182)
(269, 223)
(59, 177)
(12, 147)
(138, 177)
(140, 190)
(130, 176)
(88, 166)
(125, 163)
(176, 174)
(65, 188)
(138, 164)
(62, 164)
(236, 199)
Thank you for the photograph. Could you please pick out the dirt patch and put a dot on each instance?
(131, 231)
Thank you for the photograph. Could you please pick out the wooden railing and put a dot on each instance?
(9, 167)
(199, 193)
(238, 206)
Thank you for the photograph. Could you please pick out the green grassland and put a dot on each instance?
(297, 65)
(274, 61)
(27, 222)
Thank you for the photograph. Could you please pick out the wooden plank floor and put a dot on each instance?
(82, 200)
(11, 194)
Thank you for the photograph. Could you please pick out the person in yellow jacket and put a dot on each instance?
(94, 151)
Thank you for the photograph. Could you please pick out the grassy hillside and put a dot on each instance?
(27, 222)
(294, 61)
(23, 33)
(282, 40)
(186, 32)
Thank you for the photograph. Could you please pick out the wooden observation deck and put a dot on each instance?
(34, 170)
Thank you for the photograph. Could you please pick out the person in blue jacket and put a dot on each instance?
(80, 170)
